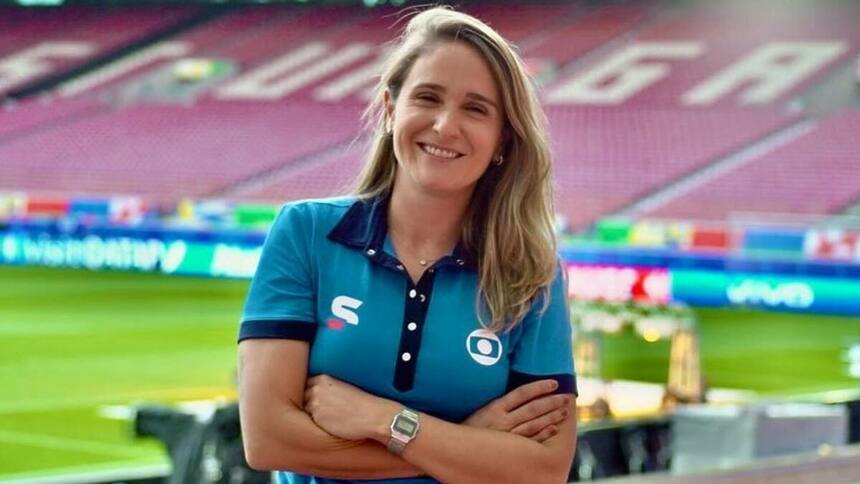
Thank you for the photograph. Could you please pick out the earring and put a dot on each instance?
(499, 160)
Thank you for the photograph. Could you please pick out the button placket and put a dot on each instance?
(416, 303)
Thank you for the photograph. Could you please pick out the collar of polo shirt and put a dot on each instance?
(365, 225)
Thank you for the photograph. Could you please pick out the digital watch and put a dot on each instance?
(404, 428)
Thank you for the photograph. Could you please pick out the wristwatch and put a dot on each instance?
(404, 428)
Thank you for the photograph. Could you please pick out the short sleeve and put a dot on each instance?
(281, 298)
(544, 348)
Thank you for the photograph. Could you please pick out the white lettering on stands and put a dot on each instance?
(622, 75)
(31, 63)
(354, 81)
(770, 71)
(795, 295)
(149, 55)
(272, 81)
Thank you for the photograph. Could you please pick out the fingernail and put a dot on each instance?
(553, 385)
(553, 431)
(564, 413)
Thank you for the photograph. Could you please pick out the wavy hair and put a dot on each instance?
(508, 225)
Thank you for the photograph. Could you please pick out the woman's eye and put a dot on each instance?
(426, 97)
(477, 109)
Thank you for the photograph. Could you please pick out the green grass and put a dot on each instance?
(769, 352)
(73, 341)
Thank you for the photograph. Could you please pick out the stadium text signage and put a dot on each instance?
(790, 293)
(126, 253)
(333, 71)
(91, 252)
(618, 284)
(794, 295)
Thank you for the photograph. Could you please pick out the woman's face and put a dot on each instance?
(447, 121)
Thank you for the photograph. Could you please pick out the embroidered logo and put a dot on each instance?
(484, 347)
(344, 307)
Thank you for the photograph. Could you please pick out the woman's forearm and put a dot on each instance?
(277, 432)
(291, 441)
(462, 454)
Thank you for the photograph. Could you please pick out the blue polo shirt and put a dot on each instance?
(329, 275)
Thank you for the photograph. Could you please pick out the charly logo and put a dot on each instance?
(484, 347)
(344, 307)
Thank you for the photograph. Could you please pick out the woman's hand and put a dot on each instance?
(526, 411)
(346, 411)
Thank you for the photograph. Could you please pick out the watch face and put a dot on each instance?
(404, 425)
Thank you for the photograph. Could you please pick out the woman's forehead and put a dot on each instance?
(454, 68)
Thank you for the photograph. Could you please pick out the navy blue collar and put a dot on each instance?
(365, 225)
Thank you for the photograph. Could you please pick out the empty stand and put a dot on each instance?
(817, 173)
(328, 175)
(606, 158)
(166, 152)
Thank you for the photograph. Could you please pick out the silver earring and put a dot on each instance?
(499, 160)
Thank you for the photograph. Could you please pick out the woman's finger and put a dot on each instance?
(537, 407)
(544, 434)
(537, 425)
(527, 392)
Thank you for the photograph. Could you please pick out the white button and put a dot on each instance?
(405, 357)
(371, 252)
(430, 270)
(460, 262)
(400, 266)
(413, 293)
(422, 298)
(411, 326)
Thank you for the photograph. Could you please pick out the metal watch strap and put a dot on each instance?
(395, 446)
(398, 441)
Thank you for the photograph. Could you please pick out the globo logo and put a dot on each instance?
(484, 347)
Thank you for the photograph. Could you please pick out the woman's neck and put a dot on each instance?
(425, 225)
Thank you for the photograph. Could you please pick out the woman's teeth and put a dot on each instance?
(439, 151)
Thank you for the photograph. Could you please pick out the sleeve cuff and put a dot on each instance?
(566, 381)
(278, 329)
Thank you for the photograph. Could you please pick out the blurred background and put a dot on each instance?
(707, 172)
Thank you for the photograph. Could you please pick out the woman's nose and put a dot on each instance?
(446, 124)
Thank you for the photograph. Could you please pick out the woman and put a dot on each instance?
(382, 331)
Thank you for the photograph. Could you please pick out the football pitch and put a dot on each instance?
(73, 342)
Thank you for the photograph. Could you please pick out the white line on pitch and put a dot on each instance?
(47, 404)
(64, 443)
(88, 474)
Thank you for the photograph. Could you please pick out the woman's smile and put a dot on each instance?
(439, 152)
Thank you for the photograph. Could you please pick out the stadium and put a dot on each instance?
(707, 196)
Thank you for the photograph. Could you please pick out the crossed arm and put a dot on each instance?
(329, 428)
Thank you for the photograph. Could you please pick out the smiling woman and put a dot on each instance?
(448, 111)
(418, 330)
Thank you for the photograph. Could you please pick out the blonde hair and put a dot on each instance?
(508, 226)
